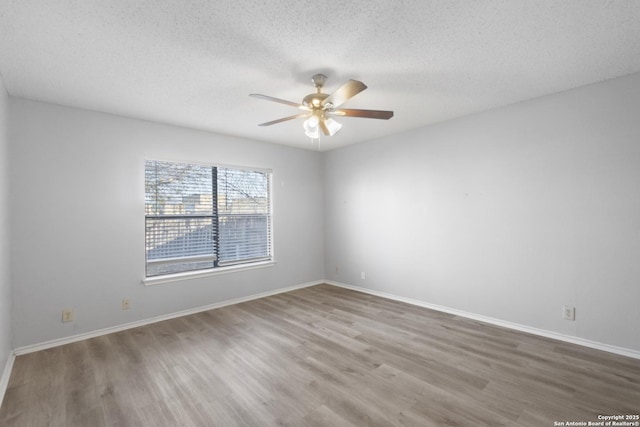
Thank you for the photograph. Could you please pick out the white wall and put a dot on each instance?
(77, 205)
(510, 213)
(5, 278)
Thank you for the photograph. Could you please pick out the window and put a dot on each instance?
(203, 217)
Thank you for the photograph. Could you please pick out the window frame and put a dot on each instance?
(225, 269)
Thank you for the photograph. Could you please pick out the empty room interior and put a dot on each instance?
(296, 213)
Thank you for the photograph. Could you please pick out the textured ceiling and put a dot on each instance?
(193, 63)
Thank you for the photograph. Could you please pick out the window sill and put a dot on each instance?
(150, 281)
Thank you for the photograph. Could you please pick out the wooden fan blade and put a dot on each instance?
(281, 101)
(368, 114)
(323, 127)
(284, 119)
(344, 92)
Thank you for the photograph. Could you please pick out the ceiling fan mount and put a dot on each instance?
(319, 107)
(319, 80)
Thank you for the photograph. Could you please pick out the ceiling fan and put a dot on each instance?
(320, 107)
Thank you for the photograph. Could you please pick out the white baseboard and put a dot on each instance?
(516, 326)
(79, 337)
(4, 380)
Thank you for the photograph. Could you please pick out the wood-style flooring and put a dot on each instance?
(319, 356)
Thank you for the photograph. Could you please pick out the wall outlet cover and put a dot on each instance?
(67, 315)
(569, 313)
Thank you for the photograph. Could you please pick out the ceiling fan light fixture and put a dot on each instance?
(313, 135)
(311, 127)
(332, 126)
(313, 121)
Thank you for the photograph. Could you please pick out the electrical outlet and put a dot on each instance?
(126, 304)
(569, 313)
(337, 270)
(67, 315)
(362, 275)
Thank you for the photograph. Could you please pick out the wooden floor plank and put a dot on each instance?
(318, 356)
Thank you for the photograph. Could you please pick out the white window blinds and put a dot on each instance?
(243, 216)
(201, 217)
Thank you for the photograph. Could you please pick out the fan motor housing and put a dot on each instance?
(314, 100)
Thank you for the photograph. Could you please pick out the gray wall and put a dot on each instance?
(77, 205)
(510, 213)
(5, 277)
